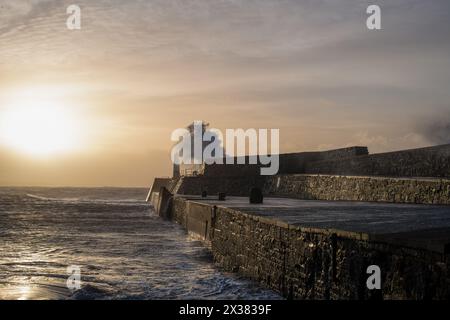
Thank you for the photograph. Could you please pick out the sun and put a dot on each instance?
(38, 128)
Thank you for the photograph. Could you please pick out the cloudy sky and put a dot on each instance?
(137, 70)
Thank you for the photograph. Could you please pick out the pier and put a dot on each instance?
(321, 249)
(325, 220)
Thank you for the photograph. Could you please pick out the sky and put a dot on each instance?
(137, 70)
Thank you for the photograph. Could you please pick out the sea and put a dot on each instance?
(104, 243)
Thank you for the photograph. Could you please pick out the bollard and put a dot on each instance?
(256, 195)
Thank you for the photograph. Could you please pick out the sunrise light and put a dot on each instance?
(39, 127)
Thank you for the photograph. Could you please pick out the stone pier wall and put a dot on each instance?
(355, 188)
(305, 263)
(326, 187)
(236, 186)
(355, 161)
(423, 162)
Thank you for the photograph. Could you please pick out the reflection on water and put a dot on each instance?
(24, 292)
(123, 249)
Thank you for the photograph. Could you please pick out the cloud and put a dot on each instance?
(14, 14)
(309, 68)
(437, 130)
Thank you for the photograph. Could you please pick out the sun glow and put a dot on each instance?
(41, 127)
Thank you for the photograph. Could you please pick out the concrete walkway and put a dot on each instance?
(426, 226)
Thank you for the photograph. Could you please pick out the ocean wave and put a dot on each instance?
(123, 249)
(86, 200)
